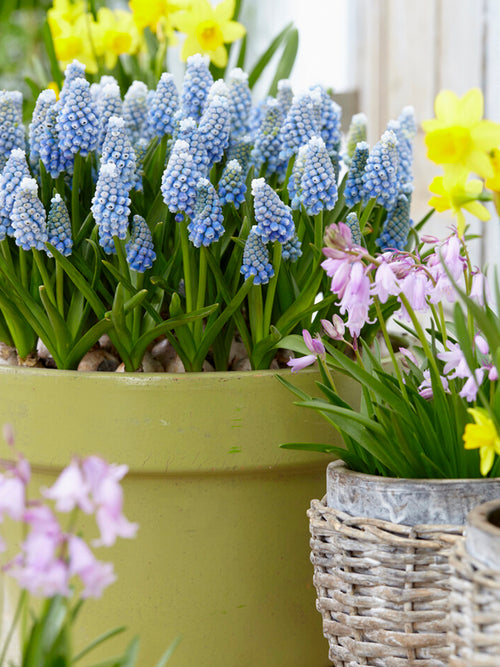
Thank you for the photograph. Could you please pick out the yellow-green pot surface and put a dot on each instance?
(222, 554)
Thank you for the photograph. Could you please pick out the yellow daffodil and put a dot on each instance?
(456, 193)
(458, 135)
(484, 436)
(156, 15)
(66, 11)
(53, 86)
(208, 28)
(73, 40)
(114, 33)
(493, 183)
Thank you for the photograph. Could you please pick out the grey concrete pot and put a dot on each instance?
(380, 550)
(475, 590)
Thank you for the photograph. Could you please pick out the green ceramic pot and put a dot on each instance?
(222, 555)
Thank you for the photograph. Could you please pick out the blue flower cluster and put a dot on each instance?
(256, 259)
(12, 174)
(267, 142)
(163, 106)
(240, 99)
(273, 217)
(215, 128)
(356, 134)
(59, 227)
(354, 191)
(315, 184)
(140, 249)
(380, 178)
(178, 184)
(28, 217)
(77, 122)
(292, 249)
(353, 223)
(397, 225)
(117, 149)
(232, 186)
(135, 109)
(108, 103)
(196, 84)
(75, 70)
(12, 134)
(45, 101)
(110, 206)
(207, 223)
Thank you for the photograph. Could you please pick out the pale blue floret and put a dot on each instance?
(292, 249)
(189, 132)
(110, 206)
(135, 109)
(197, 82)
(75, 70)
(12, 134)
(44, 102)
(295, 180)
(140, 149)
(380, 179)
(50, 153)
(240, 99)
(140, 249)
(256, 116)
(272, 215)
(354, 192)
(284, 96)
(405, 129)
(232, 186)
(117, 149)
(353, 223)
(330, 116)
(28, 217)
(59, 227)
(357, 132)
(218, 88)
(97, 88)
(397, 225)
(207, 224)
(240, 149)
(164, 104)
(12, 174)
(256, 259)
(215, 128)
(268, 141)
(301, 123)
(318, 182)
(178, 184)
(77, 123)
(109, 103)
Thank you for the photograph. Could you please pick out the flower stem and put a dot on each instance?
(200, 297)
(390, 349)
(44, 274)
(75, 195)
(256, 313)
(420, 333)
(60, 288)
(271, 290)
(20, 605)
(186, 261)
(136, 325)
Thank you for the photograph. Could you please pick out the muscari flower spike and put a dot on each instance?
(353, 223)
(28, 217)
(164, 104)
(44, 102)
(397, 225)
(268, 141)
(232, 186)
(189, 132)
(110, 206)
(218, 88)
(273, 217)
(77, 122)
(178, 183)
(135, 109)
(240, 149)
(357, 132)
(256, 259)
(197, 82)
(240, 99)
(318, 184)
(284, 95)
(97, 88)
(109, 103)
(215, 128)
(12, 133)
(330, 116)
(380, 178)
(354, 192)
(140, 249)
(292, 249)
(140, 149)
(256, 115)
(59, 227)
(75, 70)
(301, 123)
(406, 132)
(12, 174)
(207, 225)
(50, 153)
(117, 149)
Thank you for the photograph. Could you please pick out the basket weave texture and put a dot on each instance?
(474, 611)
(382, 588)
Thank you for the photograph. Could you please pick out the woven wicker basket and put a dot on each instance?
(382, 589)
(475, 593)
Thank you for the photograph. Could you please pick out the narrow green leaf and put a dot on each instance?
(168, 653)
(287, 60)
(263, 61)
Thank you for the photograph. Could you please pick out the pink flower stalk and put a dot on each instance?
(94, 574)
(455, 365)
(425, 388)
(385, 282)
(70, 490)
(481, 344)
(314, 345)
(356, 299)
(334, 329)
(472, 384)
(480, 289)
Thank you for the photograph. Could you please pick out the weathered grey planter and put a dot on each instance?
(475, 590)
(380, 550)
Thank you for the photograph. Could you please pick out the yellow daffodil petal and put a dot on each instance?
(487, 457)
(470, 107)
(224, 11)
(460, 223)
(486, 135)
(232, 30)
(219, 56)
(480, 163)
(478, 210)
(440, 204)
(445, 106)
(190, 47)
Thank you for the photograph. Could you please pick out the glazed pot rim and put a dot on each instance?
(342, 469)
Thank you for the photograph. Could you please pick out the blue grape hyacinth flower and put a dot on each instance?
(108, 103)
(357, 132)
(77, 122)
(163, 107)
(28, 217)
(397, 225)
(273, 217)
(354, 188)
(256, 259)
(140, 249)
(292, 249)
(232, 186)
(380, 178)
(240, 148)
(135, 109)
(12, 174)
(75, 70)
(110, 206)
(44, 102)
(196, 85)
(301, 123)
(353, 223)
(12, 134)
(329, 118)
(318, 182)
(268, 142)
(178, 184)
(240, 99)
(207, 224)
(59, 227)
(118, 149)
(215, 128)
(284, 95)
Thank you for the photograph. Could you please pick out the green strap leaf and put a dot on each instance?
(287, 60)
(263, 61)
